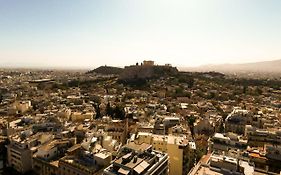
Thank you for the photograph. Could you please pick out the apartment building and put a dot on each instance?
(22, 147)
(175, 146)
(135, 159)
(260, 137)
(84, 163)
(237, 120)
(214, 164)
(225, 142)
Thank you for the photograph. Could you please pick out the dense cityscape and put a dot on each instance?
(140, 87)
(141, 119)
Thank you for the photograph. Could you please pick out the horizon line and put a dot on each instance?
(56, 67)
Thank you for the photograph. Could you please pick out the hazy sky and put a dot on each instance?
(89, 33)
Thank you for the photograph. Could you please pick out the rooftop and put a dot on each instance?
(137, 158)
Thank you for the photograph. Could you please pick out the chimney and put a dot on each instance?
(135, 159)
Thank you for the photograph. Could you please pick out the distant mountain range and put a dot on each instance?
(258, 67)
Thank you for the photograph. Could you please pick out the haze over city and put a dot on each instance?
(87, 34)
(140, 87)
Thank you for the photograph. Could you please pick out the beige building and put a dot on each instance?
(148, 63)
(260, 137)
(84, 163)
(81, 116)
(138, 159)
(20, 150)
(21, 106)
(175, 146)
(110, 144)
(225, 142)
(42, 167)
(213, 164)
(117, 129)
(64, 113)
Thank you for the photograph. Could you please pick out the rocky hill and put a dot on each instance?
(107, 70)
(146, 72)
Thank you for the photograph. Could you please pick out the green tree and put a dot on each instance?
(191, 120)
(119, 112)
(258, 91)
(97, 109)
(109, 110)
(221, 128)
(245, 89)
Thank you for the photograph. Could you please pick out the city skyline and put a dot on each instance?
(88, 34)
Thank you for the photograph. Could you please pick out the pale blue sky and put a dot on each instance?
(89, 33)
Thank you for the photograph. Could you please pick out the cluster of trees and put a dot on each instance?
(201, 146)
(275, 84)
(135, 83)
(180, 92)
(86, 83)
(183, 78)
(190, 121)
(116, 112)
(97, 109)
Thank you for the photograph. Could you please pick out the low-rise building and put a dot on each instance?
(81, 116)
(138, 159)
(225, 142)
(259, 137)
(176, 147)
(214, 164)
(237, 120)
(21, 149)
(45, 160)
(84, 163)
